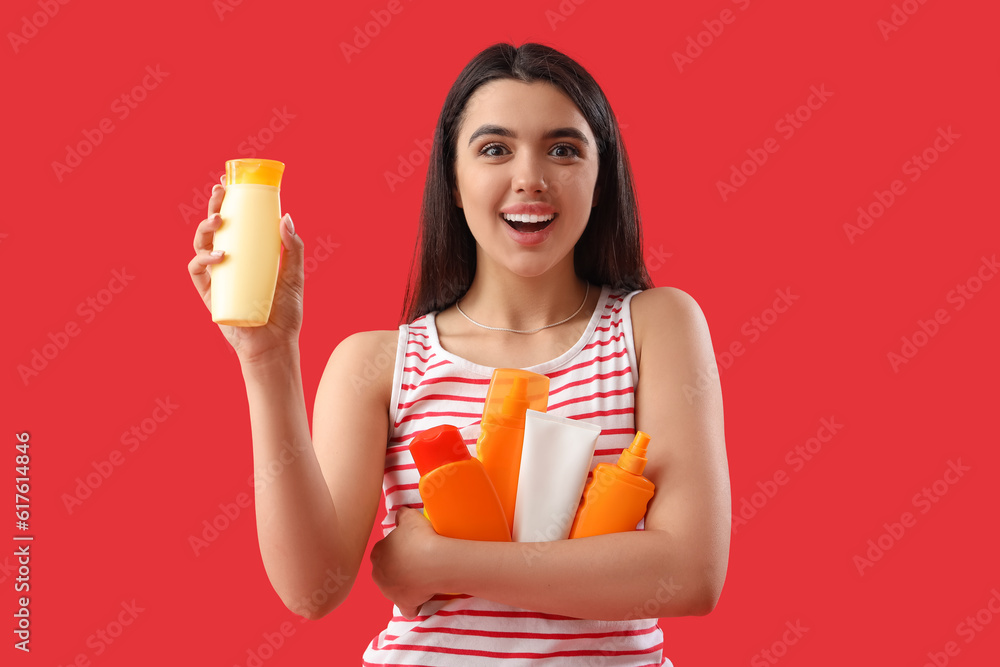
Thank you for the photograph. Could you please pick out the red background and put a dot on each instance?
(62, 236)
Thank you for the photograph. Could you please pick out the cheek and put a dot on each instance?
(478, 188)
(490, 183)
(574, 187)
(576, 201)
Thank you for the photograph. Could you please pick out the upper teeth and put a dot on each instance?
(521, 217)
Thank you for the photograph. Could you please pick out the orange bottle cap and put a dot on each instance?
(437, 446)
(633, 459)
(254, 170)
(511, 392)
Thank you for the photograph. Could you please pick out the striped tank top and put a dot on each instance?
(593, 381)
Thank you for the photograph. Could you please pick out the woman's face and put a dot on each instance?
(523, 145)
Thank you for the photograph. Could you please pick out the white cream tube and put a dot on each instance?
(555, 460)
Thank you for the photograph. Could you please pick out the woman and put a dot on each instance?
(562, 292)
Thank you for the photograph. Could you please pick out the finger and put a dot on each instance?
(200, 275)
(215, 201)
(292, 269)
(205, 234)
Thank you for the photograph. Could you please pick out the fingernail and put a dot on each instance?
(217, 253)
(289, 225)
(214, 217)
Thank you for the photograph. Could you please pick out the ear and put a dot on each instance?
(597, 193)
(457, 196)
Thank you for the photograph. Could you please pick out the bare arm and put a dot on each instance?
(675, 567)
(300, 482)
(316, 497)
(638, 574)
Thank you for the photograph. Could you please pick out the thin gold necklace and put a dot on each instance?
(526, 331)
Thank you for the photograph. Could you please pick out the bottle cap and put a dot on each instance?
(256, 170)
(633, 459)
(511, 392)
(516, 402)
(437, 446)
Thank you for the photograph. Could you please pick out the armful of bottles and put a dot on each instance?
(536, 497)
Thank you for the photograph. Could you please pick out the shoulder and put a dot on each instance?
(667, 317)
(368, 358)
(380, 338)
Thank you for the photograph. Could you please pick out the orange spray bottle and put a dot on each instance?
(615, 498)
(512, 391)
(459, 499)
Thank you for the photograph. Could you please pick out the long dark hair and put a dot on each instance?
(609, 250)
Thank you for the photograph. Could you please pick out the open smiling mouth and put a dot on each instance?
(522, 223)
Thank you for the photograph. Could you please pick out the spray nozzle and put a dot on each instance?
(633, 459)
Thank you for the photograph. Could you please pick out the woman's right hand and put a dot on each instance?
(281, 333)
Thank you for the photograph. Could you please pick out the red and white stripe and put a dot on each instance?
(593, 381)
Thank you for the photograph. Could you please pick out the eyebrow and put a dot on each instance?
(557, 133)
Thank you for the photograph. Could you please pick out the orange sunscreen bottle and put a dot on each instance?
(511, 392)
(459, 499)
(615, 498)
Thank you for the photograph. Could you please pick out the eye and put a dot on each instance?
(571, 147)
(485, 150)
(488, 147)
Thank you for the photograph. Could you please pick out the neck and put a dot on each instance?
(516, 302)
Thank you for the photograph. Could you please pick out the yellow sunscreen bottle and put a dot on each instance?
(243, 282)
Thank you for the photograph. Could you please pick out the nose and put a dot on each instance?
(529, 174)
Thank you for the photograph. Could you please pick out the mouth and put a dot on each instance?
(523, 224)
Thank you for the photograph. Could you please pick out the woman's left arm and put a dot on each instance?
(675, 567)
